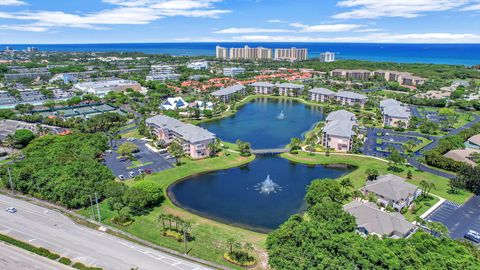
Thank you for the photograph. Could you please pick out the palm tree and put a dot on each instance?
(237, 246)
(295, 143)
(161, 218)
(170, 218)
(186, 227)
(424, 184)
(346, 183)
(429, 187)
(248, 247)
(230, 244)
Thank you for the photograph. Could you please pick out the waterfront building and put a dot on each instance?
(290, 89)
(263, 88)
(321, 94)
(226, 94)
(291, 54)
(395, 113)
(338, 133)
(193, 139)
(248, 53)
(327, 57)
(404, 78)
(350, 98)
(373, 221)
(233, 71)
(221, 52)
(101, 88)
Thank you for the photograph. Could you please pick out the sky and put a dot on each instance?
(124, 21)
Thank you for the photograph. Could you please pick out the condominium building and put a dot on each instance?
(226, 94)
(321, 94)
(290, 89)
(337, 134)
(233, 71)
(404, 78)
(30, 75)
(327, 57)
(263, 88)
(102, 88)
(353, 74)
(291, 54)
(221, 52)
(395, 113)
(162, 73)
(350, 98)
(193, 139)
(201, 65)
(249, 53)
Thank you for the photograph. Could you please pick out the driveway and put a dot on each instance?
(158, 162)
(458, 218)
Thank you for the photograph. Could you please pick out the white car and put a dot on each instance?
(11, 210)
(131, 174)
(121, 177)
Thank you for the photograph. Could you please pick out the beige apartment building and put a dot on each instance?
(292, 54)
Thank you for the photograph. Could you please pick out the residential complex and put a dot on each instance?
(233, 71)
(261, 53)
(162, 73)
(193, 139)
(201, 65)
(292, 54)
(263, 88)
(350, 98)
(403, 78)
(392, 190)
(174, 103)
(395, 113)
(327, 57)
(101, 88)
(8, 127)
(337, 134)
(290, 89)
(226, 94)
(373, 221)
(321, 94)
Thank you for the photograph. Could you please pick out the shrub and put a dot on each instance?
(65, 261)
(78, 265)
(404, 210)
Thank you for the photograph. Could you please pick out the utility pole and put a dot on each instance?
(91, 206)
(10, 180)
(98, 208)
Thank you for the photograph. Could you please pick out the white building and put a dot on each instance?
(162, 73)
(292, 54)
(327, 57)
(201, 65)
(221, 52)
(101, 88)
(232, 72)
(175, 103)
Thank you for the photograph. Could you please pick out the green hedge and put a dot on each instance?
(40, 251)
(65, 261)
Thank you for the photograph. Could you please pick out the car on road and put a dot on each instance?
(148, 171)
(11, 210)
(473, 236)
(121, 177)
(132, 174)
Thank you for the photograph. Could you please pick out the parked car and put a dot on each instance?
(148, 171)
(123, 159)
(121, 177)
(473, 236)
(11, 210)
(140, 171)
(132, 174)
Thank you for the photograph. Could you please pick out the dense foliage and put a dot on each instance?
(325, 239)
(435, 156)
(63, 170)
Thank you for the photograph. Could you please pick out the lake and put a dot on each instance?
(242, 196)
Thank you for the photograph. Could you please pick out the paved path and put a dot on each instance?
(15, 258)
(52, 230)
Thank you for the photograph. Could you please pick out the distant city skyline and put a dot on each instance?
(132, 21)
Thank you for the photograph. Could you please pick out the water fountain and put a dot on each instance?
(268, 186)
(281, 116)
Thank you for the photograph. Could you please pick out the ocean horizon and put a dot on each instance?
(454, 54)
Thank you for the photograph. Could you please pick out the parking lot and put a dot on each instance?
(152, 161)
(379, 141)
(424, 113)
(459, 219)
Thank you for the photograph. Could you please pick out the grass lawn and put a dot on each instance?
(210, 236)
(424, 204)
(138, 163)
(363, 163)
(463, 119)
(421, 145)
(132, 134)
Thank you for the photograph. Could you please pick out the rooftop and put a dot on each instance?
(391, 187)
(188, 132)
(291, 85)
(229, 90)
(321, 91)
(352, 95)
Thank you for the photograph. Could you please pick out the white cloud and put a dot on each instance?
(23, 27)
(326, 27)
(275, 21)
(368, 30)
(12, 3)
(371, 38)
(475, 7)
(367, 9)
(128, 12)
(250, 30)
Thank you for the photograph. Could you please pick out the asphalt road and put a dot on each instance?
(15, 258)
(52, 230)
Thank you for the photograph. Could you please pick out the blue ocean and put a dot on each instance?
(457, 54)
